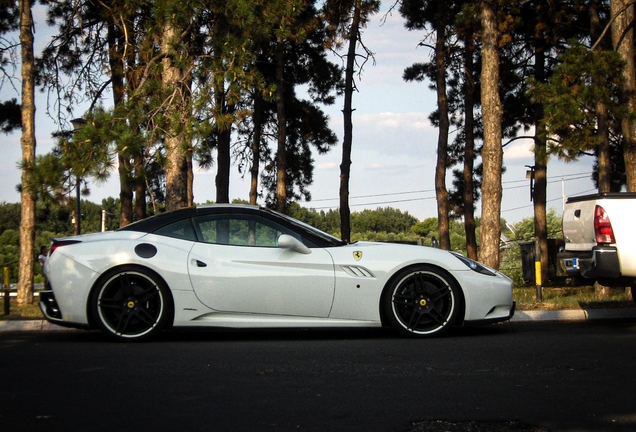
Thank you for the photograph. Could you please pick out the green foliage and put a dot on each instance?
(582, 79)
(52, 220)
(511, 258)
(524, 230)
(427, 230)
(10, 116)
(381, 224)
(9, 216)
(385, 219)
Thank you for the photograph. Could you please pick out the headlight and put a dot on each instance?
(474, 265)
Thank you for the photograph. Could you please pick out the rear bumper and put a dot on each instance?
(51, 311)
(601, 263)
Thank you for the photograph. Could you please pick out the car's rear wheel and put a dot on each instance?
(422, 301)
(131, 303)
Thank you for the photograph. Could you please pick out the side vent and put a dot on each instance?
(357, 271)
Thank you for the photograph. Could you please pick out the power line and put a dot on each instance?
(566, 177)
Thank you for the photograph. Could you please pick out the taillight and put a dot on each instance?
(602, 226)
(59, 243)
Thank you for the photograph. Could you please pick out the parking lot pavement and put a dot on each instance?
(520, 316)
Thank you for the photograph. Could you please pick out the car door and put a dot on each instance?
(238, 267)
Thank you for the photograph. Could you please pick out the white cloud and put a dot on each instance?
(393, 120)
(327, 165)
(521, 149)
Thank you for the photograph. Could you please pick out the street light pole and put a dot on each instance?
(78, 123)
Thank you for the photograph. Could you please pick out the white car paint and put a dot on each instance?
(248, 286)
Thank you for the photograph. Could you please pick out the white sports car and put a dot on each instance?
(248, 267)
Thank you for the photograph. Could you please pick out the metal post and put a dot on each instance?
(7, 286)
(530, 176)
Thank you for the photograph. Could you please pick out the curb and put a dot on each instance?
(31, 325)
(520, 316)
(573, 315)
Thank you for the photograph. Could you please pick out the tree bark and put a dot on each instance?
(603, 153)
(27, 142)
(441, 192)
(256, 147)
(125, 190)
(492, 151)
(116, 44)
(281, 160)
(176, 163)
(623, 41)
(345, 166)
(469, 152)
(540, 166)
(140, 187)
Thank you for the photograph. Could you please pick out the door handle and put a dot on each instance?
(201, 263)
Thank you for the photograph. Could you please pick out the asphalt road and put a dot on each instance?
(521, 376)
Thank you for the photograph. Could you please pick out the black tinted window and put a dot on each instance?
(181, 230)
(240, 230)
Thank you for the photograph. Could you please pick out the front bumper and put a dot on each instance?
(471, 323)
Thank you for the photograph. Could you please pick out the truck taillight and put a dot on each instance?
(602, 226)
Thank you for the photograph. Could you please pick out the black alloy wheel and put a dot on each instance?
(131, 303)
(422, 301)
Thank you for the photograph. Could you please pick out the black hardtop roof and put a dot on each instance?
(157, 221)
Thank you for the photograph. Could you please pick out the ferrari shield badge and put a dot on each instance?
(357, 255)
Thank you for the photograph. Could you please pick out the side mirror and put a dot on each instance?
(285, 241)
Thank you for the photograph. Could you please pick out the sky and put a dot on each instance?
(394, 143)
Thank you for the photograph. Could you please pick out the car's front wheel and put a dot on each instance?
(131, 303)
(422, 301)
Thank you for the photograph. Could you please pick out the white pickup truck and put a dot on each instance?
(600, 238)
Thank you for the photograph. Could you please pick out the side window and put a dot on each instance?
(181, 230)
(240, 230)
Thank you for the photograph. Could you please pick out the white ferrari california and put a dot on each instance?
(238, 266)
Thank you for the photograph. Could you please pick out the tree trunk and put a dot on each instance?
(224, 140)
(281, 160)
(492, 151)
(116, 44)
(223, 167)
(623, 40)
(469, 152)
(345, 166)
(140, 187)
(189, 179)
(223, 135)
(176, 163)
(125, 190)
(540, 167)
(603, 153)
(256, 147)
(27, 142)
(441, 193)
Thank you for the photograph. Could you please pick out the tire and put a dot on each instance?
(131, 304)
(422, 301)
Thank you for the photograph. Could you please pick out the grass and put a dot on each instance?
(572, 298)
(24, 312)
(553, 299)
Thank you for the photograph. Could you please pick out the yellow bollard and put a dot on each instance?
(538, 281)
(7, 285)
